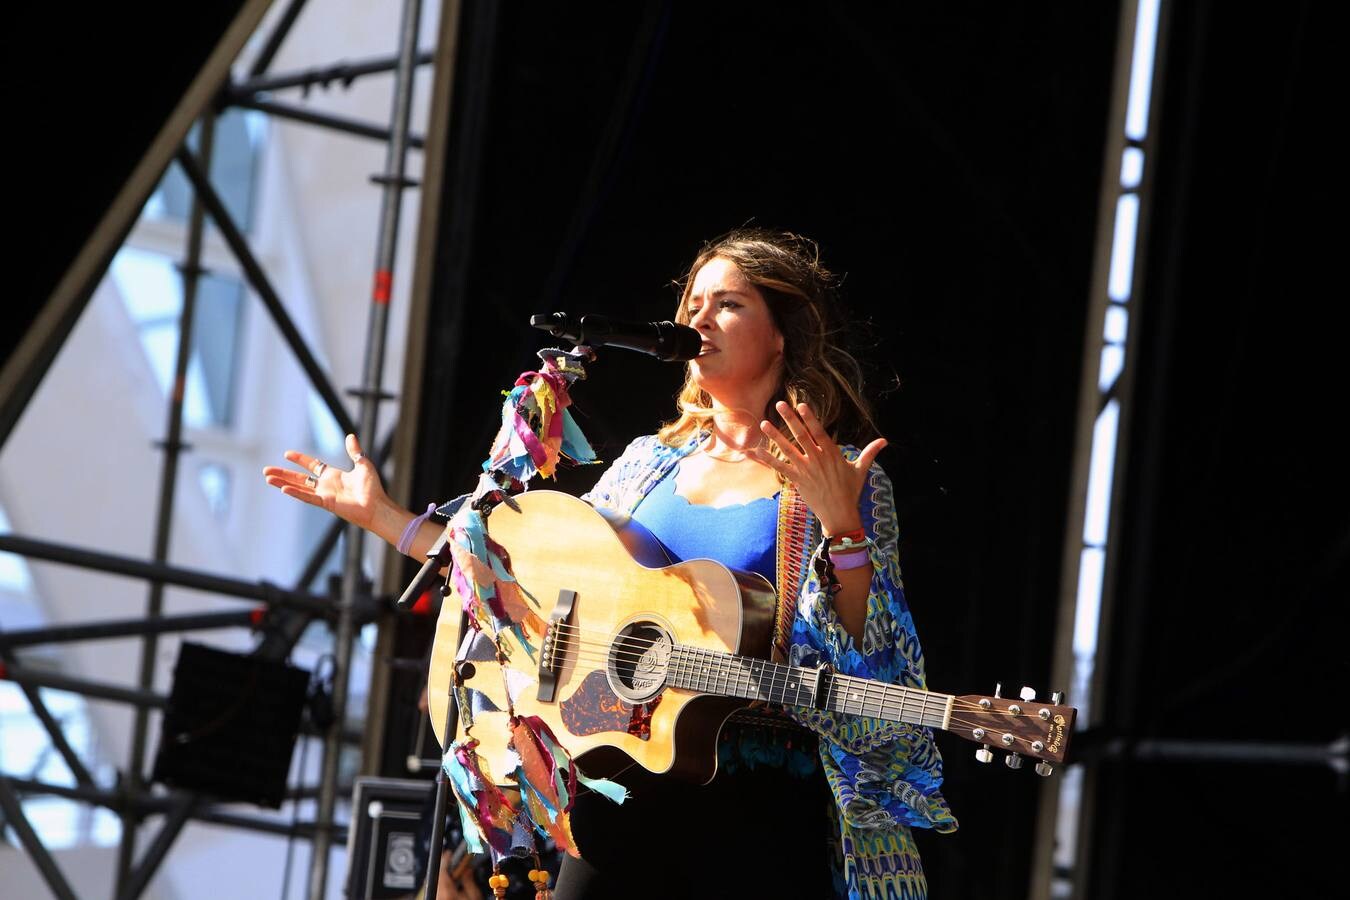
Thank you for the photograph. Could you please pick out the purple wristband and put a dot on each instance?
(410, 532)
(851, 559)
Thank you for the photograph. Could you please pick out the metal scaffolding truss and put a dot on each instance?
(279, 612)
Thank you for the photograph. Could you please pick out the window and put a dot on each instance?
(152, 289)
(234, 170)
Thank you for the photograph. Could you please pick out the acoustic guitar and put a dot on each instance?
(645, 664)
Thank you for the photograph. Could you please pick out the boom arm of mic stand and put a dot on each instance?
(437, 558)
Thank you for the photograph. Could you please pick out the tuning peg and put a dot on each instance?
(1056, 698)
(998, 689)
(1027, 693)
(1013, 760)
(984, 754)
(1043, 769)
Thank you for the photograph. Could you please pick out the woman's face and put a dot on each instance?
(742, 348)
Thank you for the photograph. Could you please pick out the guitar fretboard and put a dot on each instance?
(711, 672)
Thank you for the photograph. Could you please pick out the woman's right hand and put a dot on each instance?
(355, 496)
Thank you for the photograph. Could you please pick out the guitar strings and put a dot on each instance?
(590, 650)
(600, 648)
(911, 702)
(593, 651)
(633, 649)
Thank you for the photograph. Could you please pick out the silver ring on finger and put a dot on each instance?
(319, 467)
(311, 481)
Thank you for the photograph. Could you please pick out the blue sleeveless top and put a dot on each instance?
(741, 536)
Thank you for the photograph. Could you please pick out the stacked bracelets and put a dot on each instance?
(849, 550)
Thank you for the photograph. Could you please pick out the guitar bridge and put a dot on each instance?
(555, 643)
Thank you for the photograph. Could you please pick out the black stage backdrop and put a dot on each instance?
(948, 162)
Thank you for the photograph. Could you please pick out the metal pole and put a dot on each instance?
(263, 592)
(324, 120)
(49, 722)
(143, 699)
(154, 854)
(393, 184)
(173, 447)
(253, 271)
(1333, 755)
(149, 804)
(269, 50)
(437, 843)
(92, 631)
(1124, 143)
(9, 802)
(343, 72)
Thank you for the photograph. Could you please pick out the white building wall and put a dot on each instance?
(81, 468)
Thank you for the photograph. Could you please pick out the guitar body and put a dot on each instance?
(608, 707)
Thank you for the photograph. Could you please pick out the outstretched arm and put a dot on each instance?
(354, 495)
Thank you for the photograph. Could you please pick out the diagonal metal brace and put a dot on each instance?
(13, 809)
(139, 878)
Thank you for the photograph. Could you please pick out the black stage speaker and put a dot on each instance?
(382, 851)
(231, 725)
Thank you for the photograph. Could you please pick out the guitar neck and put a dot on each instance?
(724, 674)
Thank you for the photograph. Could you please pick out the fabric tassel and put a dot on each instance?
(482, 577)
(548, 780)
(537, 431)
(486, 813)
(539, 786)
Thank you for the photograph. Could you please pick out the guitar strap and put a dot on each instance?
(796, 537)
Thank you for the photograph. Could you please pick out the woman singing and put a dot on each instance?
(807, 803)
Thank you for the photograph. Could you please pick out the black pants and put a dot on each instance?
(755, 832)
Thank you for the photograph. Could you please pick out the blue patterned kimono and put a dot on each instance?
(886, 777)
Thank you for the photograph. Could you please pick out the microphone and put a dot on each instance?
(664, 340)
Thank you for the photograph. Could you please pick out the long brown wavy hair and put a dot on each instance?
(802, 296)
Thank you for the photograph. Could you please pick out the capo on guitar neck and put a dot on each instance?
(824, 676)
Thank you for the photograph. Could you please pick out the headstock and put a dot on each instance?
(1024, 727)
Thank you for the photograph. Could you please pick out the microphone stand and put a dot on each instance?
(438, 557)
(437, 843)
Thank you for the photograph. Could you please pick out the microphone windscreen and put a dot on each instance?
(685, 344)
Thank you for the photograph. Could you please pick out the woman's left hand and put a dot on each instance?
(829, 484)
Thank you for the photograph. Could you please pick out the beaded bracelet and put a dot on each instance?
(410, 531)
(847, 544)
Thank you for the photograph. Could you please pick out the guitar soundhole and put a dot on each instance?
(638, 657)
